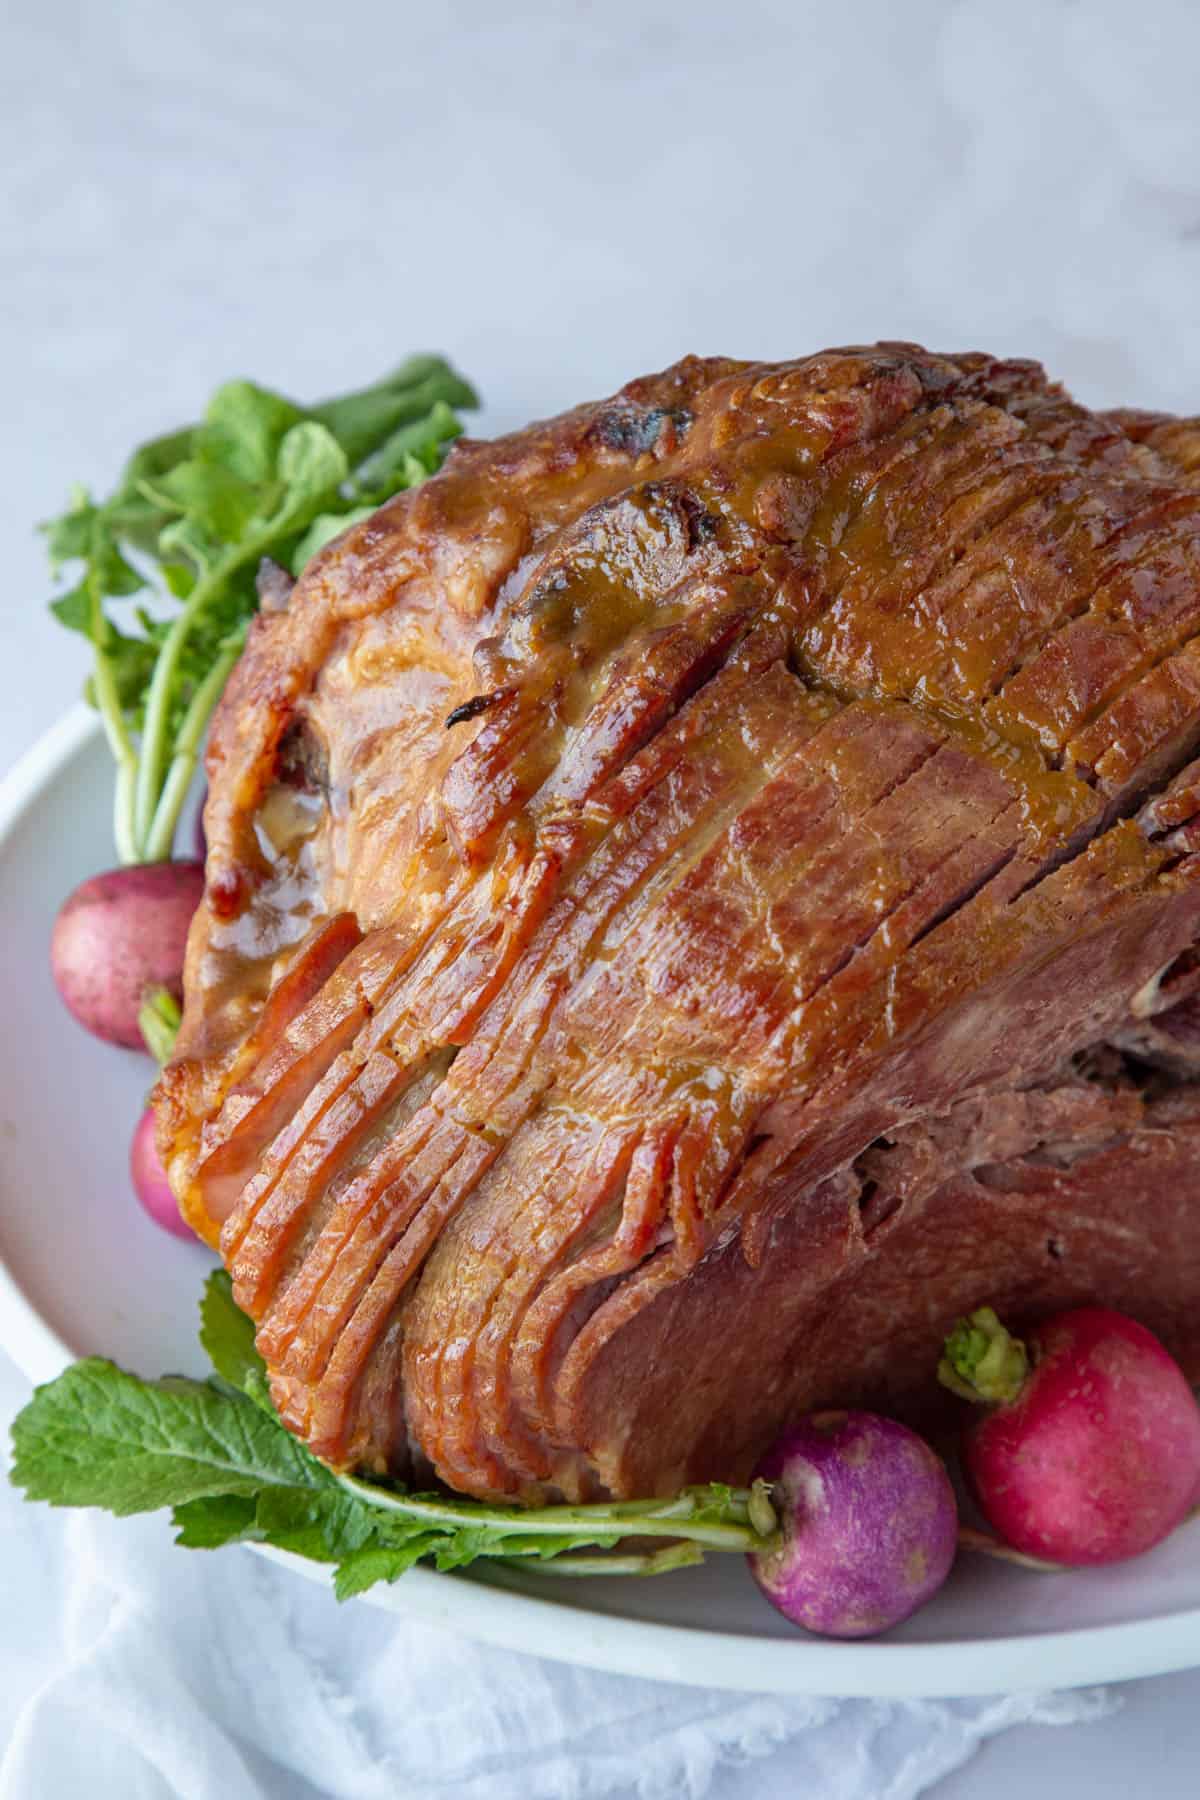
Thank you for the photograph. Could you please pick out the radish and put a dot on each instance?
(1091, 1452)
(868, 1525)
(150, 1179)
(120, 934)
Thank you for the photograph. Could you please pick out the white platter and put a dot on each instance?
(82, 1271)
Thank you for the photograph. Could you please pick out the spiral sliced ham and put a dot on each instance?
(700, 893)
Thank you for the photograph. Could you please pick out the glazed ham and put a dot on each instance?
(701, 893)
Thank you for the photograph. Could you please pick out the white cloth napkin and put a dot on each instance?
(132, 1669)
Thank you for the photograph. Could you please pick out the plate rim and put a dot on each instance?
(486, 1608)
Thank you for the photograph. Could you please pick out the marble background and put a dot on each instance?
(561, 196)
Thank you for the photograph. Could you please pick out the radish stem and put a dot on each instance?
(983, 1361)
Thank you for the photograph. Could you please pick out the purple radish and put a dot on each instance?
(868, 1524)
(150, 1179)
(118, 935)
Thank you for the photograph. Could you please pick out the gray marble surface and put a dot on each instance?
(561, 196)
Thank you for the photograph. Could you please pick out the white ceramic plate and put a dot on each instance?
(81, 1270)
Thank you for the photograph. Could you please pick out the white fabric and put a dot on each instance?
(132, 1669)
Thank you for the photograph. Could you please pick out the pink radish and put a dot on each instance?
(150, 1179)
(119, 934)
(868, 1525)
(1091, 1452)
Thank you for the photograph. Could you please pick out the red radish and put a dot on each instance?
(150, 1179)
(120, 934)
(1091, 1453)
(868, 1525)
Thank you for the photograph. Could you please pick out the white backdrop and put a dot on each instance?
(562, 196)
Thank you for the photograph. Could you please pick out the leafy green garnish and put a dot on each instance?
(216, 1453)
(227, 1338)
(193, 516)
(100, 1437)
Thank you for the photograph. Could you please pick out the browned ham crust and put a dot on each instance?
(700, 893)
